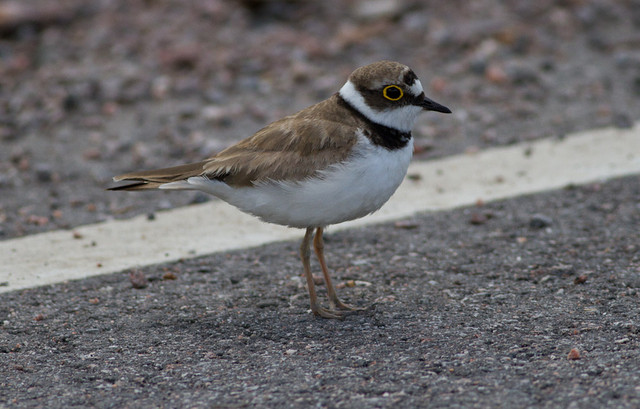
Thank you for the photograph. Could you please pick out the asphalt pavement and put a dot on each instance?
(527, 302)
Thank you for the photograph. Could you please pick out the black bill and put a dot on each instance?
(431, 105)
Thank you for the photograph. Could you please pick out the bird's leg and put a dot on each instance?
(334, 301)
(305, 255)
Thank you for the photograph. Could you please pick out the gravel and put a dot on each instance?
(90, 91)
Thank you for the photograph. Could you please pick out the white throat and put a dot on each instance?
(402, 118)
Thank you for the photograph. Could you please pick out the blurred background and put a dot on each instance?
(90, 89)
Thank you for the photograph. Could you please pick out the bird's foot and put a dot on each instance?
(336, 303)
(326, 313)
(337, 310)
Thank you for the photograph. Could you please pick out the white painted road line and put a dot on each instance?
(215, 226)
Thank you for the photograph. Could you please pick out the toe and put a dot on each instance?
(326, 313)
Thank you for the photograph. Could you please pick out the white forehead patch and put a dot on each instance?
(416, 89)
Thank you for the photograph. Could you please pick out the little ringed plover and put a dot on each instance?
(338, 160)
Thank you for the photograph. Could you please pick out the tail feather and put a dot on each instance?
(140, 185)
(154, 179)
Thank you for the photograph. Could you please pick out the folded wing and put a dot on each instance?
(293, 148)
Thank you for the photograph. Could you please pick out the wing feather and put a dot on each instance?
(282, 152)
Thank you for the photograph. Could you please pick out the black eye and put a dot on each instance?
(392, 92)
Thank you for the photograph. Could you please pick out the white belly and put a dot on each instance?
(343, 192)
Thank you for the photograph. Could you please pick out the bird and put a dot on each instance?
(338, 160)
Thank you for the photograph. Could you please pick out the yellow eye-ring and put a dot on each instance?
(392, 92)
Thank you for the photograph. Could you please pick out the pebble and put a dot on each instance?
(137, 279)
(217, 114)
(169, 276)
(540, 221)
(581, 279)
(573, 355)
(521, 74)
(377, 9)
(267, 304)
(405, 224)
(478, 66)
(71, 102)
(44, 173)
(160, 87)
(478, 218)
(496, 74)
